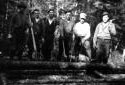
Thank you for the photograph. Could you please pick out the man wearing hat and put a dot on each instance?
(65, 39)
(19, 24)
(50, 23)
(38, 33)
(81, 35)
(102, 38)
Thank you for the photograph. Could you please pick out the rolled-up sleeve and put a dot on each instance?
(112, 29)
(88, 32)
(96, 32)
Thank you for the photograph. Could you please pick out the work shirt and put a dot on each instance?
(66, 27)
(38, 26)
(82, 30)
(103, 30)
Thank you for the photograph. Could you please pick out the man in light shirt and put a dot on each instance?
(102, 38)
(82, 34)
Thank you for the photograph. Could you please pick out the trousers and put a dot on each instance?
(82, 48)
(103, 50)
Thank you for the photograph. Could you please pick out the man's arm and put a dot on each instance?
(74, 31)
(61, 28)
(112, 29)
(88, 33)
(95, 35)
(14, 23)
(29, 22)
(11, 25)
(42, 29)
(87, 36)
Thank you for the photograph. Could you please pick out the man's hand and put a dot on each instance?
(43, 40)
(57, 33)
(124, 53)
(27, 31)
(83, 40)
(73, 37)
(9, 35)
(94, 43)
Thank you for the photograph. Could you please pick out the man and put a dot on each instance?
(19, 24)
(65, 40)
(50, 23)
(38, 34)
(102, 38)
(59, 33)
(81, 35)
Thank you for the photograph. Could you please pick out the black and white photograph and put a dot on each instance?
(62, 42)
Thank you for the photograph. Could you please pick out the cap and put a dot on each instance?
(105, 13)
(36, 11)
(83, 15)
(50, 10)
(62, 11)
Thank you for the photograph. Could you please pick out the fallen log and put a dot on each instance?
(25, 65)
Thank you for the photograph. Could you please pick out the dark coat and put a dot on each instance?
(38, 27)
(49, 30)
(19, 23)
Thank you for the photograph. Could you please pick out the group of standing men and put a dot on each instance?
(73, 35)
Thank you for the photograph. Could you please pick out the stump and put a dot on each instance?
(116, 59)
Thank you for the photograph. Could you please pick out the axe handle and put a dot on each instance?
(33, 37)
(64, 52)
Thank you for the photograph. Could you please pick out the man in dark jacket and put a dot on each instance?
(38, 34)
(19, 25)
(50, 23)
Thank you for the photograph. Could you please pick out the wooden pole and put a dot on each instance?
(57, 8)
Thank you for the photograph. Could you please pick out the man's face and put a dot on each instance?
(105, 18)
(51, 14)
(68, 15)
(82, 20)
(36, 14)
(63, 16)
